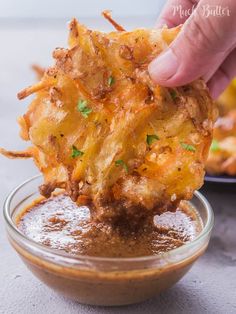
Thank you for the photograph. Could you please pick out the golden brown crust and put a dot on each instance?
(107, 15)
(225, 126)
(39, 71)
(33, 89)
(227, 100)
(222, 156)
(112, 137)
(17, 154)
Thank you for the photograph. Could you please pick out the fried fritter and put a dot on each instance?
(227, 100)
(39, 71)
(102, 130)
(222, 156)
(225, 126)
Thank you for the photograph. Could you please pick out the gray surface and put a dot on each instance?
(210, 287)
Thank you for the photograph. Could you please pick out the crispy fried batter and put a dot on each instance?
(107, 15)
(222, 156)
(227, 100)
(34, 88)
(104, 131)
(225, 126)
(39, 71)
(17, 154)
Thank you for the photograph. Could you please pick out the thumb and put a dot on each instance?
(203, 43)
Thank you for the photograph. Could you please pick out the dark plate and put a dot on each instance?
(220, 179)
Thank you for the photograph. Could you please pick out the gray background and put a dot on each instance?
(68, 8)
(28, 33)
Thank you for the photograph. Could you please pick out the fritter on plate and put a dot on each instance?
(102, 130)
(222, 156)
(227, 100)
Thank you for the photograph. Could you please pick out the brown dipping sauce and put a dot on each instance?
(60, 224)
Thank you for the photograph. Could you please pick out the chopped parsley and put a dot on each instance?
(75, 152)
(188, 147)
(214, 146)
(151, 138)
(173, 94)
(82, 107)
(120, 162)
(111, 80)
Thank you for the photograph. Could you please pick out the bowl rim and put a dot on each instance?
(74, 259)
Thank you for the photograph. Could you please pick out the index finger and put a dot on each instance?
(176, 12)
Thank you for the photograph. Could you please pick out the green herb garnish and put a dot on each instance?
(173, 94)
(111, 80)
(120, 162)
(188, 147)
(214, 146)
(151, 138)
(82, 107)
(75, 152)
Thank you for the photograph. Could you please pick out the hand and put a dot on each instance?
(205, 47)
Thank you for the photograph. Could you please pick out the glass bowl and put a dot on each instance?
(98, 280)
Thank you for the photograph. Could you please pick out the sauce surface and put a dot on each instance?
(61, 224)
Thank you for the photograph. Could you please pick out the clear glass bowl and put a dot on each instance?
(103, 281)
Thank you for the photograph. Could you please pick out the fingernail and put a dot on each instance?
(163, 67)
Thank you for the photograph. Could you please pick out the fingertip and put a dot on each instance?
(164, 67)
(217, 84)
(214, 91)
